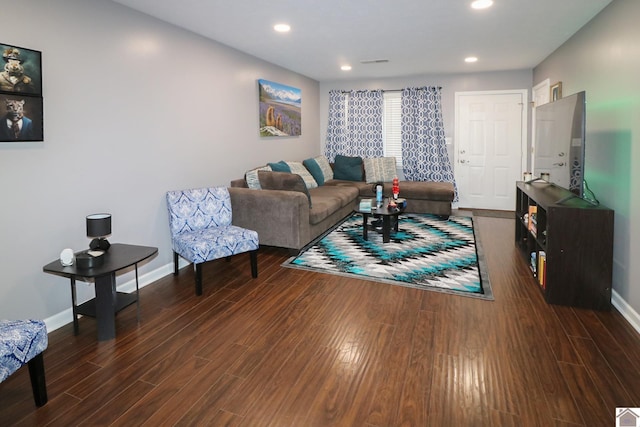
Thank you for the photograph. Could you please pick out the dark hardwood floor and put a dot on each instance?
(295, 348)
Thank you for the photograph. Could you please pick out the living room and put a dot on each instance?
(135, 107)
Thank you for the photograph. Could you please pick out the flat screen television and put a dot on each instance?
(559, 142)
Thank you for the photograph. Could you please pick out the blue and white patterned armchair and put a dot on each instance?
(201, 229)
(22, 342)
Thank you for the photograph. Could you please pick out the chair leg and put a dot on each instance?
(175, 263)
(38, 382)
(253, 257)
(198, 279)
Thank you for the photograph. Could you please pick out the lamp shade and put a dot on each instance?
(98, 225)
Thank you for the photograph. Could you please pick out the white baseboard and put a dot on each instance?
(65, 317)
(626, 310)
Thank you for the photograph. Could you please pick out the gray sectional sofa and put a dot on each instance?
(287, 214)
(283, 218)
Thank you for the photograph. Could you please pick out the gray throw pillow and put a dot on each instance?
(298, 168)
(251, 177)
(380, 169)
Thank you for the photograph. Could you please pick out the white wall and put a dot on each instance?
(133, 108)
(603, 59)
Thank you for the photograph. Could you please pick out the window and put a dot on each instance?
(392, 126)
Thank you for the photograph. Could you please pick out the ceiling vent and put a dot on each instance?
(374, 61)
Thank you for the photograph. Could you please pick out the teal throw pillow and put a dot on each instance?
(314, 169)
(319, 168)
(347, 168)
(281, 166)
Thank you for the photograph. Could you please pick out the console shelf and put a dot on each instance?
(568, 243)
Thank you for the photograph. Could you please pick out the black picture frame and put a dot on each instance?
(21, 70)
(31, 124)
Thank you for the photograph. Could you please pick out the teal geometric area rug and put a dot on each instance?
(427, 252)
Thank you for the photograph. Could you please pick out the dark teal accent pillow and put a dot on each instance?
(347, 168)
(314, 169)
(281, 166)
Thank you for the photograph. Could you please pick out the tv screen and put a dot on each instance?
(559, 142)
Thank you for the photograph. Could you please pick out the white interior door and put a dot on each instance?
(491, 146)
(541, 94)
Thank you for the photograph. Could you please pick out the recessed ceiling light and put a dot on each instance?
(482, 4)
(346, 68)
(282, 28)
(471, 59)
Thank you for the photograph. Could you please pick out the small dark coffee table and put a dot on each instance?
(386, 214)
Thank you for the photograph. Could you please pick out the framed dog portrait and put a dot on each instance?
(21, 70)
(21, 118)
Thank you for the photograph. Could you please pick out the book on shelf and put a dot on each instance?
(542, 269)
(534, 263)
(533, 219)
(365, 205)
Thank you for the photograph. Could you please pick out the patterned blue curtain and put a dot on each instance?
(355, 129)
(424, 150)
(365, 123)
(337, 124)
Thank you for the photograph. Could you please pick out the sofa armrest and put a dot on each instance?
(280, 217)
(240, 182)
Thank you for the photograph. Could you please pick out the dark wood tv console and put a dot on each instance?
(575, 239)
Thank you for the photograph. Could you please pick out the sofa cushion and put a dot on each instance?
(299, 169)
(412, 190)
(347, 168)
(380, 169)
(319, 168)
(421, 190)
(342, 194)
(251, 177)
(363, 188)
(283, 181)
(329, 199)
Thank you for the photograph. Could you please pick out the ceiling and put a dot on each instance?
(415, 36)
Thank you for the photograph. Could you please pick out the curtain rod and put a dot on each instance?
(383, 90)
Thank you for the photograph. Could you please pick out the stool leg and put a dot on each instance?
(198, 279)
(253, 257)
(38, 382)
(175, 263)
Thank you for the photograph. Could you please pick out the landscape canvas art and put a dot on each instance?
(280, 109)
